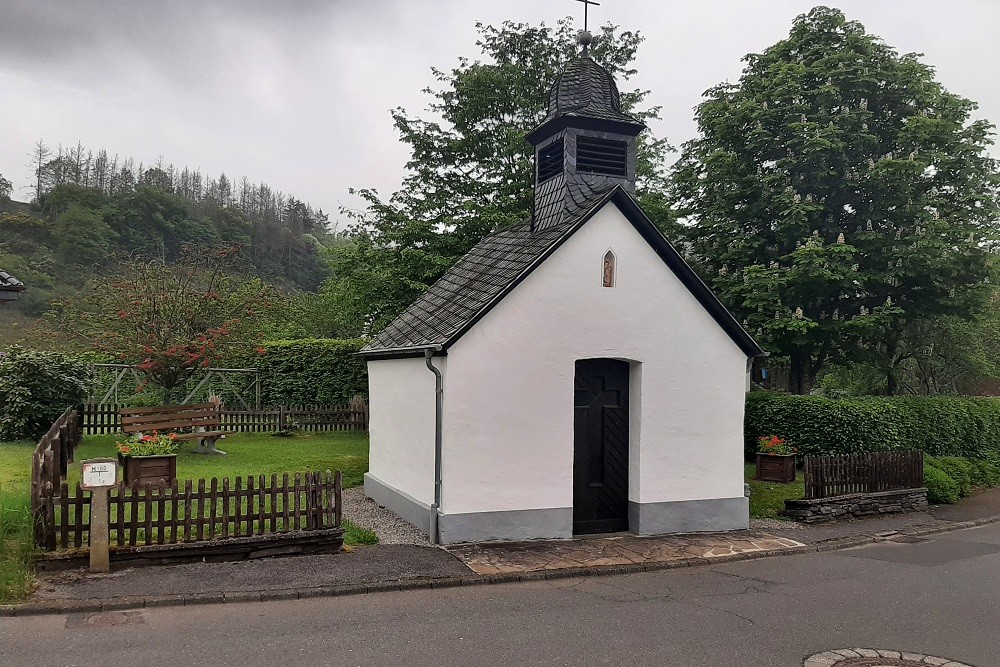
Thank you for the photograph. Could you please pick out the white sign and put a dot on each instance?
(99, 473)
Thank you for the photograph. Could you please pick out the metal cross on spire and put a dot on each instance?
(585, 37)
(586, 6)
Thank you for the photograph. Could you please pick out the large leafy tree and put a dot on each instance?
(470, 169)
(839, 195)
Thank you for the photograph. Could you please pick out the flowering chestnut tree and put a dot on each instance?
(171, 319)
(838, 197)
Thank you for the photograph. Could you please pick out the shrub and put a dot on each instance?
(960, 470)
(986, 473)
(35, 388)
(941, 488)
(967, 427)
(312, 372)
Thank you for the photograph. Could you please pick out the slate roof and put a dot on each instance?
(499, 262)
(9, 283)
(586, 89)
(469, 287)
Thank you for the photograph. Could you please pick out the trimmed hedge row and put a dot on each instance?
(966, 427)
(949, 478)
(317, 371)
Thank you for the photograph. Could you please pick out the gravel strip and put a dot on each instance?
(773, 524)
(362, 511)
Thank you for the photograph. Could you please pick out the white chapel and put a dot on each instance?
(571, 374)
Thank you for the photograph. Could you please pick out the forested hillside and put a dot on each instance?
(90, 210)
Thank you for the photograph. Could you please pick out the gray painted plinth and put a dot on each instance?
(510, 526)
(403, 504)
(689, 516)
(554, 523)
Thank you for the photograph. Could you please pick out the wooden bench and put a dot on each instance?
(204, 420)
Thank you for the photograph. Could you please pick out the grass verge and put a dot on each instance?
(16, 546)
(355, 534)
(767, 499)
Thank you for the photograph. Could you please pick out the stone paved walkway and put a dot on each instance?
(618, 549)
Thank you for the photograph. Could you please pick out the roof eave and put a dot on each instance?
(673, 259)
(627, 204)
(561, 122)
(402, 352)
(596, 206)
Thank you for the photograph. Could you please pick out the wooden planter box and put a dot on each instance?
(144, 470)
(776, 468)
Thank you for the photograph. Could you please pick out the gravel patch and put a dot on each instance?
(773, 524)
(362, 511)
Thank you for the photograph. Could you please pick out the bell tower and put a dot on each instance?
(585, 146)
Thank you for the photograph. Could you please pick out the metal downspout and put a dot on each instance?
(438, 410)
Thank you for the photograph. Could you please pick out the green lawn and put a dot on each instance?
(16, 542)
(768, 498)
(247, 454)
(256, 454)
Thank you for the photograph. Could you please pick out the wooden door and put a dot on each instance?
(600, 459)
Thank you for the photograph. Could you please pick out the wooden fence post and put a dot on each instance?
(338, 506)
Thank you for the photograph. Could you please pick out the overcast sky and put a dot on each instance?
(296, 93)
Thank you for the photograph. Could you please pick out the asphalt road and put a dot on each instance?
(940, 596)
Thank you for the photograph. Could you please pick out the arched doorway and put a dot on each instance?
(600, 446)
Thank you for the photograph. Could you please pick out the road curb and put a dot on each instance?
(90, 605)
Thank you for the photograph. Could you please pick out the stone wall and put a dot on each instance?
(856, 505)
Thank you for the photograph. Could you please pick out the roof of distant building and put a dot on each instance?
(10, 283)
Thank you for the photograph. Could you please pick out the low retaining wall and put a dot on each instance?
(856, 505)
(304, 542)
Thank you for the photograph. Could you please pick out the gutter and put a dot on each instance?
(399, 352)
(438, 411)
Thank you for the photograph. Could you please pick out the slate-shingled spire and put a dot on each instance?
(585, 146)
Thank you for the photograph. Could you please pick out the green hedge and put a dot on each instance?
(317, 371)
(949, 478)
(35, 388)
(966, 427)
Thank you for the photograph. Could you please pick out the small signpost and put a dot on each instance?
(98, 476)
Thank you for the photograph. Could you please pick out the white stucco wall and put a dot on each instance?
(401, 425)
(508, 435)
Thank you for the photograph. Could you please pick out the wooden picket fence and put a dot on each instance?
(305, 418)
(212, 510)
(100, 419)
(828, 476)
(49, 463)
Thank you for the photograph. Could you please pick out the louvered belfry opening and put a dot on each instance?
(550, 161)
(601, 156)
(585, 146)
